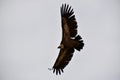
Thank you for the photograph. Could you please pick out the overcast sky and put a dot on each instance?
(30, 32)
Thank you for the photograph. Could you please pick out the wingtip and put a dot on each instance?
(58, 71)
(66, 9)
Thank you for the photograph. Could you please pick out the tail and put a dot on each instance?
(80, 43)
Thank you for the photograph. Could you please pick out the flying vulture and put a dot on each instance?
(70, 39)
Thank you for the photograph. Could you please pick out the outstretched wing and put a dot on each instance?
(69, 23)
(63, 59)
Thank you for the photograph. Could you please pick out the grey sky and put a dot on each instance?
(30, 32)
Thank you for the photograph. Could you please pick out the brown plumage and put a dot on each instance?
(70, 39)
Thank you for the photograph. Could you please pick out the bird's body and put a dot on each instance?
(70, 39)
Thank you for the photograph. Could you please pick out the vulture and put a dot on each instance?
(70, 42)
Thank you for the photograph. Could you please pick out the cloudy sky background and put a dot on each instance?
(30, 32)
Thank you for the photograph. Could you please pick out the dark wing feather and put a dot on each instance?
(63, 59)
(68, 14)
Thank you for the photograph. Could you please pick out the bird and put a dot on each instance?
(71, 40)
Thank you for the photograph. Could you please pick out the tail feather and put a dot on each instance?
(80, 43)
(78, 37)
